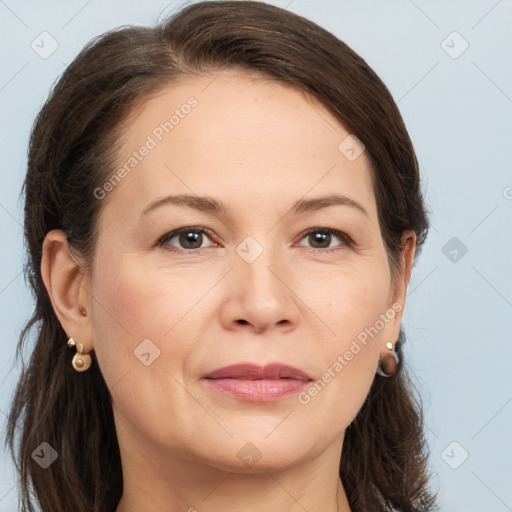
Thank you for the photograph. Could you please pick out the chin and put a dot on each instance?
(247, 454)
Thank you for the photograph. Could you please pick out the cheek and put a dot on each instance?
(352, 310)
(132, 312)
(128, 321)
(351, 301)
(140, 309)
(138, 301)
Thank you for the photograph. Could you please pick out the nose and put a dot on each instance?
(260, 294)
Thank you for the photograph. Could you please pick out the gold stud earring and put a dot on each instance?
(388, 365)
(81, 362)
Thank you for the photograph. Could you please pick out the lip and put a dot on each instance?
(253, 383)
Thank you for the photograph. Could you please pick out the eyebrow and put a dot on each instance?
(210, 205)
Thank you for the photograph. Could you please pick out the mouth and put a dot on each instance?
(253, 383)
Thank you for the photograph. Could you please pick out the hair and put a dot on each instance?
(72, 151)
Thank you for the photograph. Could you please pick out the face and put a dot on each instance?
(262, 273)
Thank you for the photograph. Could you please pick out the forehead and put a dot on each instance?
(239, 137)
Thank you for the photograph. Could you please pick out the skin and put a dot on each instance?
(258, 147)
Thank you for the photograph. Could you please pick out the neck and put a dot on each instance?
(156, 480)
(232, 493)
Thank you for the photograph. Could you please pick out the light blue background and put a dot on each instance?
(458, 113)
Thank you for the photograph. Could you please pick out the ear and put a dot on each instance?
(65, 280)
(399, 288)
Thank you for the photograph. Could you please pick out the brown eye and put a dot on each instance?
(188, 238)
(321, 238)
(192, 238)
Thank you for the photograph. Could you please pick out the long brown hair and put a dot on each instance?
(72, 152)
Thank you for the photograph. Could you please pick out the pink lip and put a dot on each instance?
(255, 383)
(252, 371)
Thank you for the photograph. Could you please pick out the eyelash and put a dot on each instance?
(346, 240)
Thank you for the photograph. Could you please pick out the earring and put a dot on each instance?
(387, 366)
(81, 362)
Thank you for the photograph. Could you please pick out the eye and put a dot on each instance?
(321, 236)
(190, 238)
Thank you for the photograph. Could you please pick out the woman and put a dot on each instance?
(261, 367)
